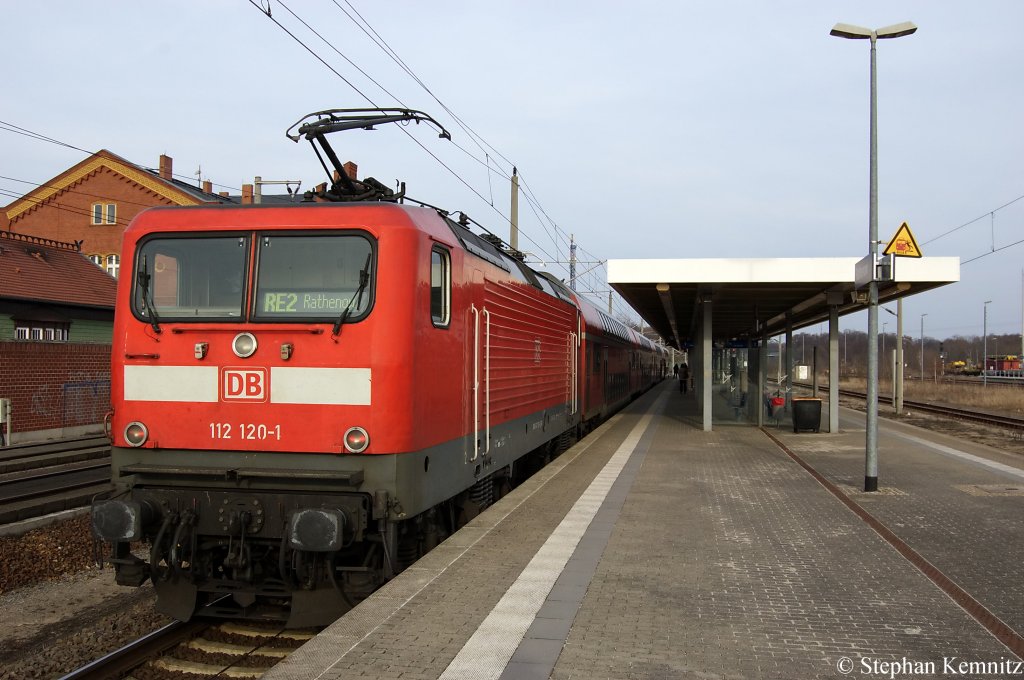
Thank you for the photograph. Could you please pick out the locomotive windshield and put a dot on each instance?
(190, 278)
(300, 277)
(313, 277)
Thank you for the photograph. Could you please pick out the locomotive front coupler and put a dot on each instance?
(238, 557)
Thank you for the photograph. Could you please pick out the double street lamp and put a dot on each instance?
(871, 446)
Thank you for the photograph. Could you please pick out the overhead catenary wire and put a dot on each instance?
(530, 197)
(104, 198)
(372, 33)
(373, 103)
(479, 140)
(10, 127)
(119, 221)
(976, 219)
(993, 251)
(557, 238)
(489, 163)
(327, 42)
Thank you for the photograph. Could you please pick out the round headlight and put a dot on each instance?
(244, 345)
(356, 440)
(136, 434)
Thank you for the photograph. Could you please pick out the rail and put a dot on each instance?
(119, 662)
(985, 418)
(200, 648)
(949, 411)
(41, 478)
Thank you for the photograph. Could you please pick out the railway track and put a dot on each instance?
(969, 415)
(38, 479)
(198, 649)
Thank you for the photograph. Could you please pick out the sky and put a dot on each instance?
(642, 129)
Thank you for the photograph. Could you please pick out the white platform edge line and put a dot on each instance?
(486, 654)
(957, 453)
(568, 457)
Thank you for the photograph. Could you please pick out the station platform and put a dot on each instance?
(653, 549)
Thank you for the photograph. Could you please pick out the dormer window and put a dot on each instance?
(104, 213)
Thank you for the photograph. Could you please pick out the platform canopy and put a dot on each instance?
(751, 298)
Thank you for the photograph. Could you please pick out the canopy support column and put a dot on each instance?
(707, 406)
(788, 388)
(833, 369)
(762, 379)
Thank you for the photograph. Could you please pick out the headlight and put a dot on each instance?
(356, 440)
(136, 433)
(244, 345)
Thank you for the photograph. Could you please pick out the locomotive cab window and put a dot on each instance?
(195, 278)
(440, 287)
(313, 277)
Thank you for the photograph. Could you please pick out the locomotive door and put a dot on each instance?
(573, 357)
(605, 377)
(480, 372)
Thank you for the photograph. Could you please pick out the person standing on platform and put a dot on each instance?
(684, 378)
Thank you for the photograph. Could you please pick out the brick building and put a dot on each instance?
(56, 321)
(92, 202)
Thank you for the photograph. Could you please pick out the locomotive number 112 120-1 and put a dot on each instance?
(244, 431)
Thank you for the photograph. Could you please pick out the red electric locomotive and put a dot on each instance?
(306, 398)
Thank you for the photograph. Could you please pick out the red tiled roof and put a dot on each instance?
(38, 269)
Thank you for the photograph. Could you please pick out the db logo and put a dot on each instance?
(243, 384)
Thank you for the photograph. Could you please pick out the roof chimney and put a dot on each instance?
(351, 169)
(207, 186)
(246, 194)
(166, 162)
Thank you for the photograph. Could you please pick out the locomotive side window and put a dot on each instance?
(190, 278)
(313, 277)
(440, 287)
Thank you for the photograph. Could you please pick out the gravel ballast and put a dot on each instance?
(61, 611)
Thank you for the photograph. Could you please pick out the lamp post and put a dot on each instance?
(984, 345)
(871, 443)
(922, 347)
(884, 324)
(897, 379)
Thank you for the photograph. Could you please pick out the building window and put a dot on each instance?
(96, 260)
(440, 287)
(104, 213)
(113, 265)
(41, 330)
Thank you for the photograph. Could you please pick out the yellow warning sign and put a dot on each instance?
(903, 244)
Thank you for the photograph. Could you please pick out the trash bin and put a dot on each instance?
(806, 414)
